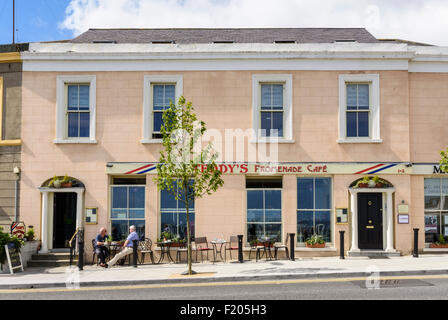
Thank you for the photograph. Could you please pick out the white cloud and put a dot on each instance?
(417, 20)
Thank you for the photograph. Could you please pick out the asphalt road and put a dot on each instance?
(422, 287)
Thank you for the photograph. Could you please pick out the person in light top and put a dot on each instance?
(127, 247)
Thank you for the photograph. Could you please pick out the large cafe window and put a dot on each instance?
(313, 208)
(174, 215)
(127, 207)
(264, 209)
(436, 209)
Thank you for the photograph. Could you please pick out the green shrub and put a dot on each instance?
(6, 238)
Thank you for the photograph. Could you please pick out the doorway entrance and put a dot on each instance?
(64, 219)
(370, 224)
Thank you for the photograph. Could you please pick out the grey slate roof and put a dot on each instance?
(236, 35)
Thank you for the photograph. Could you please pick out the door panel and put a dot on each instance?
(370, 221)
(64, 219)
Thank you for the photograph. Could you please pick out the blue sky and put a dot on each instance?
(49, 20)
(36, 20)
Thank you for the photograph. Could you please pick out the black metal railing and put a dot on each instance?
(77, 248)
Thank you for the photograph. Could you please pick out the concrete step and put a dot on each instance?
(373, 254)
(51, 256)
(50, 263)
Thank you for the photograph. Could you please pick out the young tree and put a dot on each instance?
(186, 169)
(444, 160)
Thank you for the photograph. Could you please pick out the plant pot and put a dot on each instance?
(317, 245)
(66, 185)
(363, 185)
(57, 184)
(438, 245)
(372, 184)
(379, 185)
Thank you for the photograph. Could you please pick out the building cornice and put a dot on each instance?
(10, 57)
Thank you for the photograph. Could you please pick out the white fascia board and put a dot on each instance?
(71, 51)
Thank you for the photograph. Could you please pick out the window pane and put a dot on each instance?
(273, 199)
(84, 124)
(266, 102)
(120, 230)
(277, 96)
(84, 97)
(273, 215)
(168, 201)
(168, 222)
(305, 199)
(274, 232)
(266, 120)
(158, 121)
(305, 223)
(136, 213)
(119, 214)
(277, 124)
(254, 231)
(323, 224)
(139, 227)
(323, 193)
(182, 228)
(255, 199)
(255, 215)
(73, 97)
(352, 97)
(363, 124)
(432, 227)
(170, 93)
(444, 204)
(119, 197)
(158, 97)
(432, 194)
(73, 125)
(136, 197)
(352, 124)
(363, 96)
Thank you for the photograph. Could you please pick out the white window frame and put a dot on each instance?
(61, 108)
(148, 120)
(373, 80)
(257, 81)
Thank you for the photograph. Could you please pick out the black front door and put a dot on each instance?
(64, 219)
(370, 221)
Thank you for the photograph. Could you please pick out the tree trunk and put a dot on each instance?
(187, 205)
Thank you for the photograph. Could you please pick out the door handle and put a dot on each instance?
(370, 227)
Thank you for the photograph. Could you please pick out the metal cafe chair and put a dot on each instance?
(232, 245)
(282, 246)
(94, 253)
(145, 247)
(255, 247)
(181, 250)
(201, 245)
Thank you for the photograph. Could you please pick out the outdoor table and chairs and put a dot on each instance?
(202, 246)
(262, 247)
(218, 245)
(282, 246)
(165, 251)
(232, 245)
(145, 247)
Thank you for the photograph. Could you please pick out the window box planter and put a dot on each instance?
(317, 245)
(67, 185)
(438, 245)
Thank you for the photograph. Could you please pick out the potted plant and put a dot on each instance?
(54, 183)
(364, 183)
(29, 235)
(315, 241)
(6, 238)
(439, 244)
(66, 182)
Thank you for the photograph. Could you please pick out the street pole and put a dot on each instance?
(13, 21)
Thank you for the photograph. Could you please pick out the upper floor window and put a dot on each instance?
(272, 108)
(163, 96)
(359, 110)
(78, 110)
(75, 114)
(159, 92)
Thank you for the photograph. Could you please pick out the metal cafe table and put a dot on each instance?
(165, 250)
(218, 243)
(266, 243)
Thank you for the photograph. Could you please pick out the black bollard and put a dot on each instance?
(292, 246)
(415, 255)
(240, 249)
(81, 249)
(135, 252)
(341, 244)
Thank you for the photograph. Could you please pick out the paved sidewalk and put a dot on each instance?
(233, 271)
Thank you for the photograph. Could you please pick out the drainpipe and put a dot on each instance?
(16, 195)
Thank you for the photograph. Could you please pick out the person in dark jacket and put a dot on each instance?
(100, 247)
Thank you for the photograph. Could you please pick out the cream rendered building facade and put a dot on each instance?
(408, 112)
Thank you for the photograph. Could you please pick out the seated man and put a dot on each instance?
(100, 248)
(127, 247)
